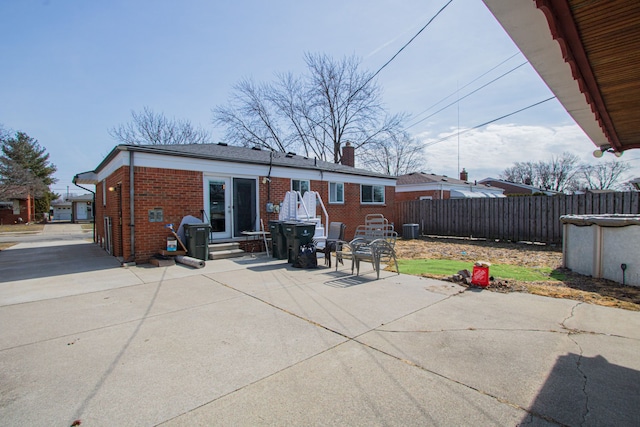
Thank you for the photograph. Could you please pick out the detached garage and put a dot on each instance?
(61, 210)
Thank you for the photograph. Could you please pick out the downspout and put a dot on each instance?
(93, 209)
(131, 209)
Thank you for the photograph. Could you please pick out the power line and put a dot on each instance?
(489, 122)
(398, 52)
(468, 84)
(409, 42)
(467, 95)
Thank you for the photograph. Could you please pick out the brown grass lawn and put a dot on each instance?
(573, 286)
(20, 228)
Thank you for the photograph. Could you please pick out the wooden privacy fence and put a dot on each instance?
(533, 219)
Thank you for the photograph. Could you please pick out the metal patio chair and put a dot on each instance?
(328, 245)
(378, 251)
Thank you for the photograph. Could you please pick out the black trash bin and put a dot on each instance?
(297, 234)
(197, 236)
(278, 240)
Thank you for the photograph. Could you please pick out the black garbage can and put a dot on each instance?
(197, 236)
(297, 234)
(278, 240)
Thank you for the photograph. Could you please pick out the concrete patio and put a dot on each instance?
(253, 341)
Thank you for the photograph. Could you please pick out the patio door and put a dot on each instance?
(244, 206)
(219, 203)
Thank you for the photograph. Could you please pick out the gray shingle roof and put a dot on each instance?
(427, 178)
(245, 155)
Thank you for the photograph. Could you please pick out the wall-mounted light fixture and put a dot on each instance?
(606, 148)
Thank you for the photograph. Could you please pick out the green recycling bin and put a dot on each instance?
(197, 236)
(297, 234)
(278, 240)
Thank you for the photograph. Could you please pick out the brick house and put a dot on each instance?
(420, 186)
(17, 206)
(141, 188)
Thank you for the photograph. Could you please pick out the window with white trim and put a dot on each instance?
(301, 185)
(336, 192)
(371, 193)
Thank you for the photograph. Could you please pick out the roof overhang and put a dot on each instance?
(588, 53)
(86, 178)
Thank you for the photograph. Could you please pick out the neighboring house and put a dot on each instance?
(73, 208)
(420, 186)
(81, 208)
(18, 206)
(511, 188)
(140, 189)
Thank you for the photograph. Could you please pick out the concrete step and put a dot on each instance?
(228, 253)
(215, 247)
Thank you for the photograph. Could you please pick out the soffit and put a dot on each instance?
(588, 53)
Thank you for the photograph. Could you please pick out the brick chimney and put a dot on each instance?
(348, 155)
(464, 176)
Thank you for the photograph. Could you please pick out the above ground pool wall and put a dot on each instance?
(598, 245)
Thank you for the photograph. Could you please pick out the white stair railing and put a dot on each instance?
(297, 207)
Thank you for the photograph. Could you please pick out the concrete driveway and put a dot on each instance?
(254, 341)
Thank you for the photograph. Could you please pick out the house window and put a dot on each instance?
(372, 194)
(336, 192)
(301, 185)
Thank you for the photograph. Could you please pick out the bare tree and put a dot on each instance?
(315, 113)
(148, 127)
(252, 119)
(604, 176)
(563, 172)
(559, 174)
(399, 154)
(520, 172)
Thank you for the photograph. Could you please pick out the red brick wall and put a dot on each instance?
(117, 182)
(178, 193)
(7, 216)
(352, 212)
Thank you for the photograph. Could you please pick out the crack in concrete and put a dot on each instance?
(586, 409)
(570, 316)
(570, 334)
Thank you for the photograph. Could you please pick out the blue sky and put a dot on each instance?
(72, 69)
